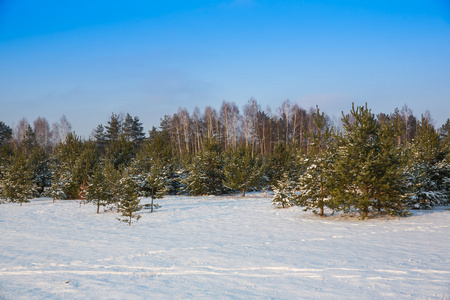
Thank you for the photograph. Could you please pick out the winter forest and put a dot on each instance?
(367, 164)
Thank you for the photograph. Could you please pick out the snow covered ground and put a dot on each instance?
(219, 247)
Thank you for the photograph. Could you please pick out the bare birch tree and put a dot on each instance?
(42, 133)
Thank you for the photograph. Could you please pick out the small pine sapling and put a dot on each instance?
(96, 191)
(129, 200)
(242, 171)
(284, 192)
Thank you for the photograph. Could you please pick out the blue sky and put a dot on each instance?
(87, 59)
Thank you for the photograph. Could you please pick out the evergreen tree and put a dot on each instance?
(390, 190)
(138, 134)
(428, 172)
(133, 130)
(283, 160)
(425, 191)
(73, 162)
(151, 177)
(127, 127)
(99, 135)
(39, 162)
(205, 172)
(444, 135)
(6, 154)
(285, 192)
(242, 171)
(61, 179)
(63, 165)
(5, 133)
(364, 176)
(158, 147)
(85, 164)
(114, 128)
(315, 184)
(120, 152)
(112, 183)
(97, 188)
(17, 185)
(37, 159)
(129, 199)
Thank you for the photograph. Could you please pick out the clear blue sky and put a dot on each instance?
(87, 59)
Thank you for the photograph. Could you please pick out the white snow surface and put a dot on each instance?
(225, 247)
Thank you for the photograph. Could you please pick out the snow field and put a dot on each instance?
(224, 247)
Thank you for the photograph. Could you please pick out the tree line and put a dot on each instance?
(368, 164)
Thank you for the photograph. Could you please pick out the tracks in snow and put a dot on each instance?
(139, 271)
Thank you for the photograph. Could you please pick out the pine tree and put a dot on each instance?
(151, 177)
(114, 128)
(71, 165)
(127, 127)
(282, 160)
(285, 192)
(315, 184)
(365, 176)
(112, 179)
(6, 155)
(97, 188)
(158, 147)
(120, 151)
(63, 166)
(138, 134)
(39, 162)
(60, 179)
(5, 133)
(85, 164)
(242, 171)
(37, 159)
(17, 185)
(428, 172)
(99, 135)
(129, 199)
(205, 172)
(133, 130)
(444, 135)
(423, 181)
(390, 192)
